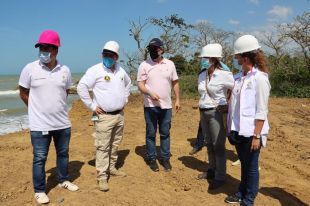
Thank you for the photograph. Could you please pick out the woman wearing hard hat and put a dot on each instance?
(247, 117)
(213, 85)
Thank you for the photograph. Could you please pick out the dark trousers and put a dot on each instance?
(200, 141)
(162, 117)
(249, 184)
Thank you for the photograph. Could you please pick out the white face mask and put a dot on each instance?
(45, 57)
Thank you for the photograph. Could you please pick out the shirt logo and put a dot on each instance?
(64, 78)
(107, 78)
(249, 85)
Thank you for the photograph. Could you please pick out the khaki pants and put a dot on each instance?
(109, 134)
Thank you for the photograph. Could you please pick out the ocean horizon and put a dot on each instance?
(13, 111)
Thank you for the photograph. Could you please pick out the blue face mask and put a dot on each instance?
(236, 65)
(205, 63)
(224, 66)
(45, 57)
(108, 62)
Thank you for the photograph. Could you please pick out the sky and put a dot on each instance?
(85, 25)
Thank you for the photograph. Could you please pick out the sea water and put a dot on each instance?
(13, 111)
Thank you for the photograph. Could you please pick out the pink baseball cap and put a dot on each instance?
(48, 37)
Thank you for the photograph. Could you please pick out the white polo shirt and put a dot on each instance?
(217, 86)
(47, 103)
(110, 89)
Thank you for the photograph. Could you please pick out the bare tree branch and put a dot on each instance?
(206, 33)
(299, 32)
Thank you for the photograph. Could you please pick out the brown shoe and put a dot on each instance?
(215, 184)
(210, 174)
(166, 164)
(194, 151)
(103, 185)
(118, 173)
(153, 165)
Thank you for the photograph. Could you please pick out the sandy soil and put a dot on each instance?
(285, 163)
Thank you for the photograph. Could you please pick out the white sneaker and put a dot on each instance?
(41, 198)
(68, 185)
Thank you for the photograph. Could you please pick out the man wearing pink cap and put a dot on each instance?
(44, 86)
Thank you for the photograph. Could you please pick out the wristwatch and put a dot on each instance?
(257, 136)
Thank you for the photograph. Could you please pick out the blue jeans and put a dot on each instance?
(200, 141)
(40, 143)
(162, 117)
(249, 184)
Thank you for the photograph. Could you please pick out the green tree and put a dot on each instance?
(194, 65)
(180, 63)
(174, 33)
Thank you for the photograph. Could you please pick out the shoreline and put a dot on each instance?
(19, 120)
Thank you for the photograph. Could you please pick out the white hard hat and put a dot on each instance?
(246, 43)
(211, 50)
(112, 46)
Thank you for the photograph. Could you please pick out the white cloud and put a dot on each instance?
(254, 1)
(280, 12)
(202, 21)
(233, 22)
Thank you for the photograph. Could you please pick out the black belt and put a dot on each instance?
(206, 109)
(114, 112)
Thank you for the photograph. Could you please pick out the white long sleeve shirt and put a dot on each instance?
(249, 101)
(217, 86)
(110, 89)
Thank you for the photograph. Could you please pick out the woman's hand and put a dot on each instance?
(255, 144)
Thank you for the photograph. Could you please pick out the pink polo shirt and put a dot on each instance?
(158, 79)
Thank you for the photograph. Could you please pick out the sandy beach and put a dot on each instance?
(284, 174)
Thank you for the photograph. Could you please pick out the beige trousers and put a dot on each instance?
(109, 134)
